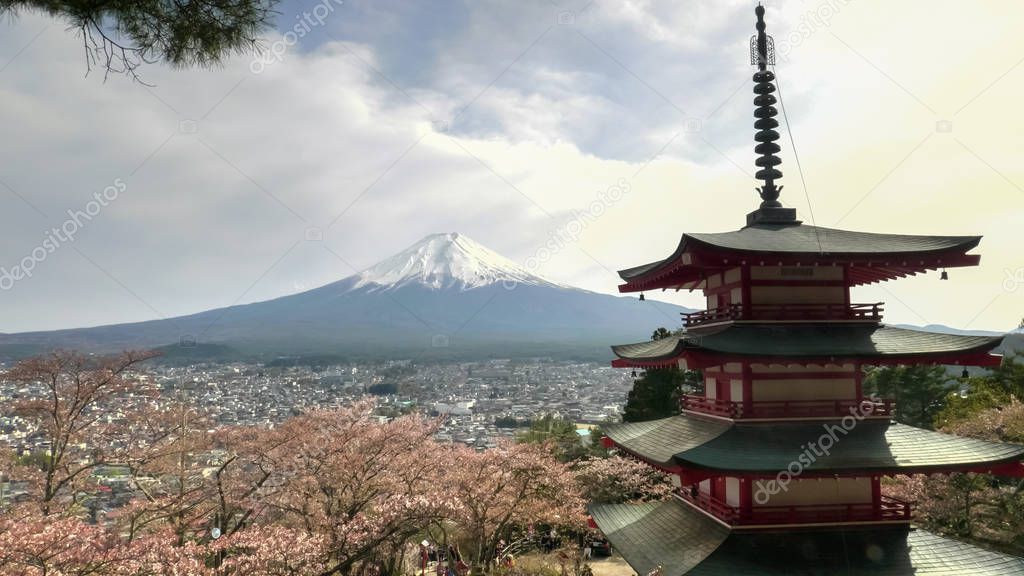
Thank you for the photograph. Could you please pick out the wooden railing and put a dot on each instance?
(888, 510)
(785, 312)
(788, 408)
(713, 506)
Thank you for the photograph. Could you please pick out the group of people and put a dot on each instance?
(449, 561)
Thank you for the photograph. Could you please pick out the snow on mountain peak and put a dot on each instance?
(446, 260)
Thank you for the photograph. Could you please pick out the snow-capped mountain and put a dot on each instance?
(444, 261)
(446, 296)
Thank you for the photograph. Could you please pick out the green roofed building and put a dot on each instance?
(778, 463)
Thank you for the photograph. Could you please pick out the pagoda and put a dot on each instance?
(778, 463)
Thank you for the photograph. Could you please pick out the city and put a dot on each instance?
(479, 403)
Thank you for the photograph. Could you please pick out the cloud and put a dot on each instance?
(500, 121)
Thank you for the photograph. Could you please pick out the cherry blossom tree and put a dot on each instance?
(58, 545)
(31, 544)
(74, 414)
(272, 551)
(977, 507)
(513, 485)
(326, 492)
(364, 486)
(617, 479)
(166, 460)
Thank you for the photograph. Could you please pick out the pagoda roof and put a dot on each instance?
(668, 534)
(683, 541)
(782, 342)
(868, 446)
(887, 255)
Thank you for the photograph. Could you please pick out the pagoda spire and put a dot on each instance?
(762, 53)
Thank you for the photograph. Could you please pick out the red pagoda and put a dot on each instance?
(778, 463)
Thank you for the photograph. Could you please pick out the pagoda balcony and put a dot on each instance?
(784, 312)
(888, 510)
(787, 409)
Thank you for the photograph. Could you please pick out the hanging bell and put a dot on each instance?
(964, 374)
(944, 276)
(634, 373)
(641, 296)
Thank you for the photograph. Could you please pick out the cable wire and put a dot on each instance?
(796, 156)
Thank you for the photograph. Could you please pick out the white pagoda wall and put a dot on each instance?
(811, 491)
(732, 492)
(800, 389)
(831, 388)
(797, 295)
(796, 273)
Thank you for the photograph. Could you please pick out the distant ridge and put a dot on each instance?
(445, 296)
(943, 329)
(1012, 344)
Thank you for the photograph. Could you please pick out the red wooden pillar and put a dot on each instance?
(718, 488)
(724, 389)
(858, 379)
(846, 288)
(748, 389)
(745, 290)
(746, 497)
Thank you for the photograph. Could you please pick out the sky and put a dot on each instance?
(575, 137)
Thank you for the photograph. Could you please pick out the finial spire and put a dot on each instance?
(762, 53)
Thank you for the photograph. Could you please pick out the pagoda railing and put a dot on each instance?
(798, 311)
(788, 408)
(888, 510)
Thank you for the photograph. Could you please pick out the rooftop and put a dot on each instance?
(868, 342)
(872, 256)
(870, 446)
(683, 541)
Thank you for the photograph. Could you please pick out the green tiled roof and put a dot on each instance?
(659, 441)
(667, 534)
(804, 239)
(685, 542)
(826, 340)
(870, 445)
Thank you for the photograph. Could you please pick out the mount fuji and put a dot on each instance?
(444, 297)
(447, 261)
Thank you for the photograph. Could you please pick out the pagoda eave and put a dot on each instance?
(690, 474)
(868, 257)
(699, 361)
(689, 273)
(847, 446)
(807, 343)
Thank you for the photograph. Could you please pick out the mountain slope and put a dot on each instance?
(445, 296)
